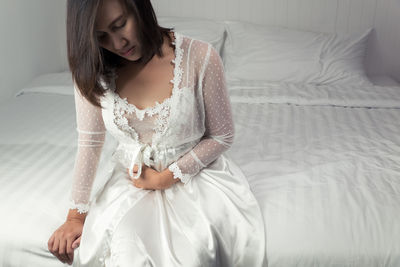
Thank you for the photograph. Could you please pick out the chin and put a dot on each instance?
(132, 57)
(135, 58)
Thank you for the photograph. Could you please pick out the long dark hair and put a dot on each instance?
(91, 64)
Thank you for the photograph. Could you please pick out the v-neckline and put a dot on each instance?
(175, 83)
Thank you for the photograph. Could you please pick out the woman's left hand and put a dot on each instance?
(151, 179)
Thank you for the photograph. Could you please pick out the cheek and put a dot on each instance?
(130, 32)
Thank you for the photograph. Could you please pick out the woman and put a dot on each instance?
(172, 198)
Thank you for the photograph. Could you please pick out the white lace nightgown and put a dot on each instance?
(208, 218)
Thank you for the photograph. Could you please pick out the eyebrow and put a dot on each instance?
(114, 21)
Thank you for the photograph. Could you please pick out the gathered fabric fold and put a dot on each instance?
(131, 154)
(143, 155)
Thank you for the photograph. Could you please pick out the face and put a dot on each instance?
(116, 30)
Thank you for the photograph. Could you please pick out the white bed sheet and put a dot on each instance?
(353, 95)
(326, 177)
(37, 152)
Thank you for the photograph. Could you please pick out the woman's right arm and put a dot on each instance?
(91, 137)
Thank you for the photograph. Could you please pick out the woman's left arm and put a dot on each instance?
(219, 124)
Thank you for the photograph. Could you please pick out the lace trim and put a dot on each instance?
(121, 121)
(162, 119)
(162, 109)
(81, 207)
(131, 108)
(174, 168)
(161, 123)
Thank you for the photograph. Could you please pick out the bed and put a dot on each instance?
(326, 176)
(321, 154)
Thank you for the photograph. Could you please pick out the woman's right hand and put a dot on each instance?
(61, 241)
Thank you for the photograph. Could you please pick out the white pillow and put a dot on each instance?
(343, 59)
(260, 52)
(383, 80)
(55, 83)
(271, 53)
(210, 31)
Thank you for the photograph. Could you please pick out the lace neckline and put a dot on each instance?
(177, 76)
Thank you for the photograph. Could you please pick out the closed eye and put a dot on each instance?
(120, 26)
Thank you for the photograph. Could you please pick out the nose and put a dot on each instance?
(118, 42)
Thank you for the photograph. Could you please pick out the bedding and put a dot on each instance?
(324, 168)
(326, 175)
(202, 29)
(55, 83)
(259, 52)
(327, 180)
(343, 57)
(61, 83)
(383, 80)
(38, 145)
(272, 53)
(352, 95)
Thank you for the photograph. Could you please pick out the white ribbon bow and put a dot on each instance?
(143, 155)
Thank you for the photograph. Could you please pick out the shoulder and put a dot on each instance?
(196, 47)
(199, 51)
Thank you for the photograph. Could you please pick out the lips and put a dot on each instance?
(128, 51)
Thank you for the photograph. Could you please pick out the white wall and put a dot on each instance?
(30, 42)
(317, 15)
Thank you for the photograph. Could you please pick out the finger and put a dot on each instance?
(76, 243)
(143, 183)
(134, 171)
(62, 249)
(55, 248)
(137, 183)
(50, 243)
(70, 251)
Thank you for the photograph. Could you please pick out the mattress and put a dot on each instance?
(325, 172)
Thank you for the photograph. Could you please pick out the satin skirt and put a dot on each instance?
(214, 220)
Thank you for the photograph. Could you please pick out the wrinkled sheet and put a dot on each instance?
(326, 173)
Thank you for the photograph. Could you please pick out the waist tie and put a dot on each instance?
(142, 155)
(155, 156)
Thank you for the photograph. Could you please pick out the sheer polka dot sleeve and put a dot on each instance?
(91, 137)
(219, 125)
